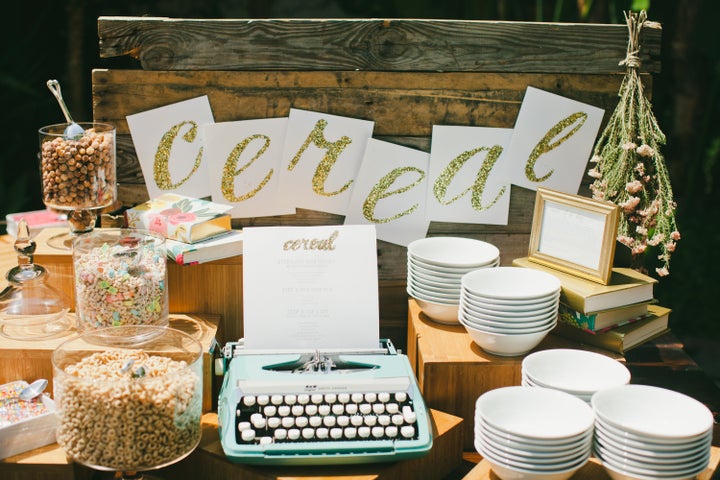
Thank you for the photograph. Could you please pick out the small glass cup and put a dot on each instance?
(129, 398)
(78, 174)
(120, 279)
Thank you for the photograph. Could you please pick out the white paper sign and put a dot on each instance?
(552, 141)
(244, 160)
(310, 287)
(390, 192)
(469, 175)
(169, 146)
(321, 158)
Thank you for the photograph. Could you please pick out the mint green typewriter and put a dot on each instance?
(312, 408)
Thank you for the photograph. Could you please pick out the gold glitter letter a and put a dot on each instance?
(161, 172)
(380, 191)
(478, 187)
(334, 149)
(229, 170)
(545, 146)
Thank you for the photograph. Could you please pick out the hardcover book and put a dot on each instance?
(598, 321)
(626, 286)
(181, 218)
(226, 245)
(623, 338)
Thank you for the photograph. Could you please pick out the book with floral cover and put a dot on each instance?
(181, 218)
(597, 321)
(226, 245)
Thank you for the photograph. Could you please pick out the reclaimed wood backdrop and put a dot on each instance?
(405, 75)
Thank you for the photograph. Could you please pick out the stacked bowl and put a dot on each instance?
(435, 266)
(533, 433)
(644, 432)
(577, 372)
(508, 310)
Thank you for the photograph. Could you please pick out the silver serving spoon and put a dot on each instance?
(73, 130)
(33, 390)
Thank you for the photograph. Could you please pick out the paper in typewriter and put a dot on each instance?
(310, 287)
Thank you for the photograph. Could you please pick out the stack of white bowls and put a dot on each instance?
(577, 372)
(435, 266)
(644, 432)
(508, 310)
(533, 433)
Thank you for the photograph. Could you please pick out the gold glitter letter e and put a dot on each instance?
(229, 170)
(380, 191)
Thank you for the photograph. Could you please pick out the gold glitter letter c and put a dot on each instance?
(161, 171)
(229, 170)
(380, 191)
(545, 144)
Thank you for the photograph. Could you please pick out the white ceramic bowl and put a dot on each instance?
(450, 270)
(551, 446)
(420, 277)
(446, 313)
(529, 463)
(530, 455)
(616, 473)
(653, 471)
(453, 251)
(535, 413)
(414, 267)
(529, 316)
(511, 283)
(574, 371)
(506, 327)
(435, 288)
(424, 293)
(665, 448)
(653, 413)
(504, 344)
(519, 309)
(510, 473)
(648, 457)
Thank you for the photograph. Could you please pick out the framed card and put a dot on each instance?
(574, 234)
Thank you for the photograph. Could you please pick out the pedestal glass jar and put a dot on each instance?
(120, 279)
(129, 399)
(78, 174)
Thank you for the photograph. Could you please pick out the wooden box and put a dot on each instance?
(405, 75)
(452, 371)
(29, 360)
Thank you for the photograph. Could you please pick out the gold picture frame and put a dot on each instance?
(574, 234)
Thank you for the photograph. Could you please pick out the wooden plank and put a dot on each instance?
(400, 103)
(373, 44)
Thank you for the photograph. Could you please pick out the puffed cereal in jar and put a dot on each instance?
(120, 279)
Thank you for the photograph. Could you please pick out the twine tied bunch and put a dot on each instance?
(629, 169)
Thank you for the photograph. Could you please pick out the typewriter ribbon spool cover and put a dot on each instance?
(311, 382)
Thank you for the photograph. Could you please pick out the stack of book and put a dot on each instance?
(196, 230)
(617, 316)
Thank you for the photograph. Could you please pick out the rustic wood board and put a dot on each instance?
(378, 44)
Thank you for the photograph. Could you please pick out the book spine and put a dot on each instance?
(607, 340)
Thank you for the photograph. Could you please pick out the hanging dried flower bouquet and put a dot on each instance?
(630, 170)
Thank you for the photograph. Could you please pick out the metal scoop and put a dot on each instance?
(33, 390)
(73, 130)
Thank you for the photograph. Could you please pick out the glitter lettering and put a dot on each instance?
(545, 145)
(161, 170)
(230, 170)
(478, 187)
(334, 149)
(312, 243)
(381, 191)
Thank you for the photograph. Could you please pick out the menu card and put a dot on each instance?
(310, 288)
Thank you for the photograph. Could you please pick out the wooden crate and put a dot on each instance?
(405, 75)
(30, 359)
(452, 371)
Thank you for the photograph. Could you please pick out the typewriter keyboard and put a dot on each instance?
(311, 417)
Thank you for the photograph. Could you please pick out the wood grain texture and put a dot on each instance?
(373, 44)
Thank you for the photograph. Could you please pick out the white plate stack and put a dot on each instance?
(508, 310)
(530, 433)
(644, 432)
(577, 372)
(435, 266)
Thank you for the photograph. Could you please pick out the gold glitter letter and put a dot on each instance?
(334, 149)
(477, 188)
(545, 146)
(161, 172)
(380, 191)
(230, 172)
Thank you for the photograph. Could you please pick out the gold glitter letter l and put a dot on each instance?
(545, 144)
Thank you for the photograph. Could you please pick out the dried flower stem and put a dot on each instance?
(630, 170)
